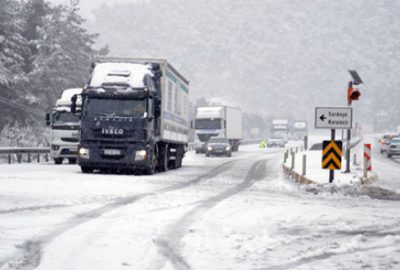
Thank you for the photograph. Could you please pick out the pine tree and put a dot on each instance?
(64, 54)
(12, 48)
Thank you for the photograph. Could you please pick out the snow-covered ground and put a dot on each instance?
(213, 213)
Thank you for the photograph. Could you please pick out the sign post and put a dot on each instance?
(333, 118)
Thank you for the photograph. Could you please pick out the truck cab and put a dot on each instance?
(219, 122)
(65, 127)
(124, 126)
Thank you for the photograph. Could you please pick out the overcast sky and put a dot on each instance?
(87, 6)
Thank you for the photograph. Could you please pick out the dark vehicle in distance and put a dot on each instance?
(218, 147)
(394, 147)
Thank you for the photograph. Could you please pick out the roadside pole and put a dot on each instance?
(348, 137)
(332, 172)
(353, 93)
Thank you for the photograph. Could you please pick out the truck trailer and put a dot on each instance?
(221, 122)
(64, 128)
(300, 129)
(135, 116)
(280, 128)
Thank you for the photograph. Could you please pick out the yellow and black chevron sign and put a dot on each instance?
(332, 155)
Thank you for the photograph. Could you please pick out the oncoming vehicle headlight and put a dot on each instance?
(83, 152)
(209, 148)
(140, 155)
(228, 148)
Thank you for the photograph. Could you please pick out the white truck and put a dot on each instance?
(64, 128)
(135, 116)
(219, 121)
(280, 127)
(300, 130)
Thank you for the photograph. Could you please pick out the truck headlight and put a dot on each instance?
(55, 147)
(209, 148)
(228, 148)
(83, 152)
(140, 155)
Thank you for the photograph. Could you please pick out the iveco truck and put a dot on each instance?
(134, 116)
(221, 122)
(64, 128)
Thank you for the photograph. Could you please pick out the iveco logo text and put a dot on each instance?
(112, 131)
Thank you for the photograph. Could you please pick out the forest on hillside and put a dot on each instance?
(44, 49)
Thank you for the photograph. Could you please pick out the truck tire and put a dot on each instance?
(163, 159)
(151, 169)
(87, 169)
(58, 161)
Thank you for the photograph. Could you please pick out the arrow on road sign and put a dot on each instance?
(332, 155)
(322, 117)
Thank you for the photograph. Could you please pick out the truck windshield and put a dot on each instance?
(114, 107)
(208, 123)
(60, 118)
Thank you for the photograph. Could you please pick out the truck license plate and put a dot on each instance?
(112, 152)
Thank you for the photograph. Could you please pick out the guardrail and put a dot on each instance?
(19, 152)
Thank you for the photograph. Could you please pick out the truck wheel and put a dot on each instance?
(58, 161)
(72, 160)
(86, 169)
(163, 159)
(151, 169)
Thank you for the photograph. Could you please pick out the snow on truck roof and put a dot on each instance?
(65, 99)
(120, 73)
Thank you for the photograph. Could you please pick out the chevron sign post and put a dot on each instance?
(367, 159)
(332, 157)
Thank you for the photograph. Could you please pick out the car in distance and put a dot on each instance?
(385, 142)
(394, 147)
(218, 147)
(276, 141)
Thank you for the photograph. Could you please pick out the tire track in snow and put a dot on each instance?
(31, 251)
(169, 245)
(306, 260)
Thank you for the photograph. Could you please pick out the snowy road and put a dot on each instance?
(213, 213)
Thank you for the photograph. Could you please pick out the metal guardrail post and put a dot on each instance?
(355, 159)
(38, 158)
(46, 157)
(293, 160)
(19, 158)
(29, 158)
(9, 158)
(304, 165)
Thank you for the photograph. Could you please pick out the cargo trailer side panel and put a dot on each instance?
(174, 106)
(233, 123)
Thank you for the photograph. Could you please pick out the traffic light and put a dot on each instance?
(353, 93)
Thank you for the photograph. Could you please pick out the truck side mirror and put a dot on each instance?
(150, 109)
(73, 104)
(48, 119)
